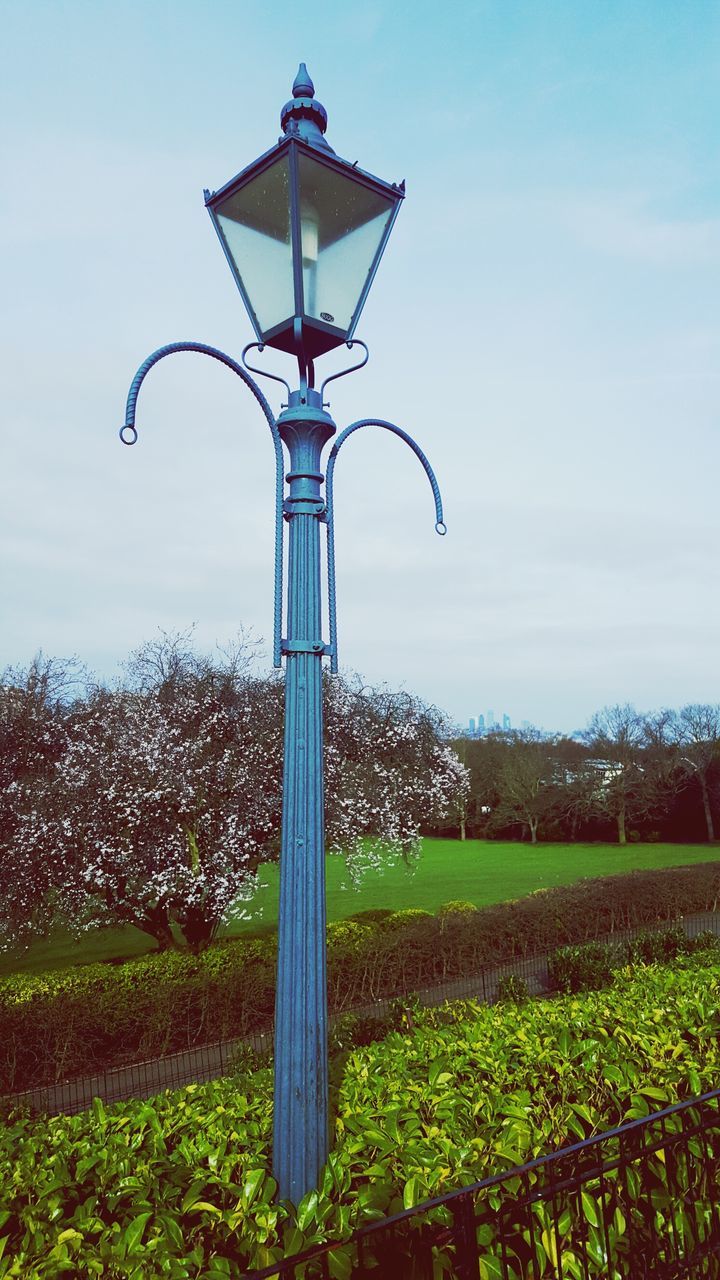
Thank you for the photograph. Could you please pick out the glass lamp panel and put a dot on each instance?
(342, 225)
(255, 223)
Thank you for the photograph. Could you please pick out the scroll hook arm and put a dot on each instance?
(128, 435)
(440, 526)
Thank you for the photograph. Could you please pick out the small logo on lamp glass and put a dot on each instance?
(325, 315)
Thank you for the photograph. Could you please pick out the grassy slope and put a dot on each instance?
(479, 871)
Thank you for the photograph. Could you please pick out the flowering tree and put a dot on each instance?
(166, 800)
(389, 770)
(35, 705)
(167, 795)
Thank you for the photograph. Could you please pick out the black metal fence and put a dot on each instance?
(635, 1203)
(144, 1079)
(208, 1062)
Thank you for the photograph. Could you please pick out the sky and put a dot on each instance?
(544, 322)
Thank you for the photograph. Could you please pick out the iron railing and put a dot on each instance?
(144, 1079)
(210, 1061)
(635, 1203)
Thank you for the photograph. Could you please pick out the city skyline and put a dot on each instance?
(486, 721)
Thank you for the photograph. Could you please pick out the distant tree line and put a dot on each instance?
(627, 777)
(155, 801)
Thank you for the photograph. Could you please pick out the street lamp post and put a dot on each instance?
(303, 232)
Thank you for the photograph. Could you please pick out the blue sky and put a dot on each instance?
(545, 322)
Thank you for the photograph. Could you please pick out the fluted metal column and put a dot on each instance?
(300, 1129)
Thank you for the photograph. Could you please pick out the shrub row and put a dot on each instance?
(594, 964)
(75, 1021)
(180, 1186)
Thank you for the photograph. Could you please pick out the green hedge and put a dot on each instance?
(595, 964)
(181, 1187)
(512, 988)
(585, 968)
(75, 1021)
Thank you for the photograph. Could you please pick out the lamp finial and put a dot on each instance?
(303, 86)
(303, 116)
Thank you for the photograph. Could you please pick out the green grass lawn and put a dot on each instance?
(479, 871)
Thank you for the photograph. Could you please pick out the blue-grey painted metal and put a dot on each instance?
(300, 1125)
(128, 435)
(303, 116)
(300, 1138)
(353, 368)
(264, 373)
(439, 522)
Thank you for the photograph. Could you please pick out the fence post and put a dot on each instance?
(465, 1238)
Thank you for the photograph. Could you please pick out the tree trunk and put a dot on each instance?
(156, 922)
(198, 928)
(706, 806)
(533, 825)
(621, 825)
(462, 828)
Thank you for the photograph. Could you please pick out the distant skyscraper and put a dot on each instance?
(490, 720)
(471, 725)
(481, 724)
(506, 722)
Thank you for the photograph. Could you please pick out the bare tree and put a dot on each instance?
(526, 781)
(662, 775)
(616, 737)
(697, 729)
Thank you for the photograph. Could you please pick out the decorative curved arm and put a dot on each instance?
(264, 373)
(355, 342)
(129, 435)
(440, 526)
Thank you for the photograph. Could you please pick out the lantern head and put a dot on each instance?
(303, 232)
